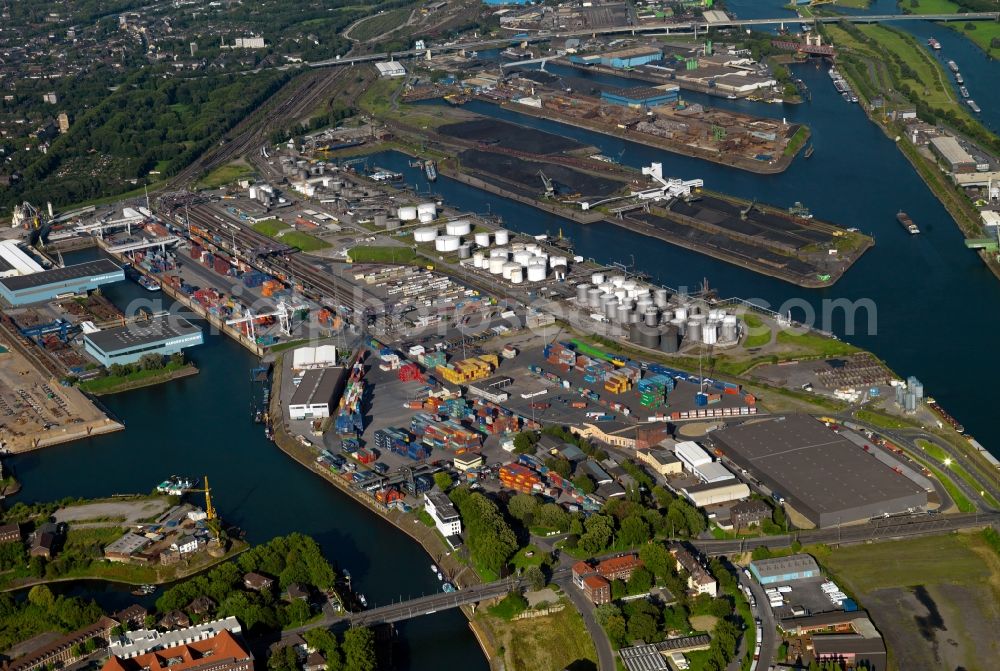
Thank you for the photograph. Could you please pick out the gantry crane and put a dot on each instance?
(209, 508)
(550, 190)
(283, 311)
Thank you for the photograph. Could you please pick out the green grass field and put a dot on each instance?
(386, 254)
(227, 174)
(853, 4)
(813, 344)
(882, 420)
(929, 6)
(983, 35)
(758, 337)
(270, 227)
(111, 384)
(556, 641)
(380, 24)
(938, 454)
(799, 139)
(279, 230)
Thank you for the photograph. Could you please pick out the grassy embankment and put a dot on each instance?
(555, 641)
(938, 455)
(377, 100)
(113, 384)
(274, 228)
(226, 174)
(379, 25)
(382, 254)
(799, 139)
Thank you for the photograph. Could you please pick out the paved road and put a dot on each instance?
(605, 654)
(769, 636)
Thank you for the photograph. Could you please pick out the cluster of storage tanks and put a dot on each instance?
(425, 213)
(652, 320)
(519, 262)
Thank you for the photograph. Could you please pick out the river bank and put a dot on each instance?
(111, 384)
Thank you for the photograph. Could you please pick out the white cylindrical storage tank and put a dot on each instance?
(729, 328)
(483, 239)
(408, 213)
(517, 275)
(427, 208)
(465, 251)
(425, 217)
(536, 273)
(693, 332)
(508, 269)
(478, 259)
(660, 297)
(593, 294)
(611, 308)
(621, 294)
(581, 292)
(681, 313)
(710, 332)
(555, 261)
(447, 243)
(523, 257)
(496, 265)
(428, 234)
(651, 315)
(629, 285)
(499, 253)
(608, 288)
(459, 227)
(501, 236)
(618, 280)
(597, 278)
(533, 247)
(622, 313)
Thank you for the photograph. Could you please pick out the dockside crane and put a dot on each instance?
(550, 190)
(745, 212)
(210, 513)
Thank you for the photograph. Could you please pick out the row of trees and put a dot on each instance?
(354, 651)
(42, 611)
(489, 537)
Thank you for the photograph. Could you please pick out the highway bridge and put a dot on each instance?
(654, 28)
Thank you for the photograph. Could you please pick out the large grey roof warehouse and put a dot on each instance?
(821, 474)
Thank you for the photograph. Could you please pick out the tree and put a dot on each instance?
(151, 362)
(443, 481)
(618, 589)
(640, 582)
(611, 619)
(325, 642)
(359, 649)
(41, 596)
(584, 483)
(559, 465)
(760, 552)
(523, 507)
(663, 496)
(598, 534)
(675, 618)
(552, 515)
(283, 659)
(657, 559)
(534, 577)
(524, 442)
(634, 531)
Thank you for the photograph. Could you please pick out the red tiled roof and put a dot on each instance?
(616, 564)
(582, 568)
(595, 582)
(193, 655)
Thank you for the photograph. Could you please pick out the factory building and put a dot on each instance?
(780, 570)
(498, 3)
(825, 477)
(390, 69)
(314, 397)
(952, 154)
(709, 493)
(39, 287)
(641, 97)
(14, 261)
(663, 461)
(127, 344)
(691, 455)
(307, 358)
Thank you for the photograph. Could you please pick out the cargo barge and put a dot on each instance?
(964, 91)
(973, 106)
(904, 220)
(948, 419)
(952, 66)
(430, 170)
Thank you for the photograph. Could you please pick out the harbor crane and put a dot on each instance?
(550, 189)
(745, 212)
(283, 311)
(210, 513)
(27, 216)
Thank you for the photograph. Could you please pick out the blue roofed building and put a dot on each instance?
(630, 58)
(642, 96)
(48, 284)
(497, 3)
(127, 344)
(784, 569)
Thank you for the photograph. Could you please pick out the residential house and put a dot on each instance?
(699, 580)
(257, 582)
(10, 533)
(749, 513)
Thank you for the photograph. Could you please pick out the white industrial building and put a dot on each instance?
(315, 396)
(390, 69)
(308, 358)
(15, 262)
(691, 455)
(713, 471)
(446, 518)
(712, 493)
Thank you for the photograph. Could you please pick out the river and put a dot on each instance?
(201, 426)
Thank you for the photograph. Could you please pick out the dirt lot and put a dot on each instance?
(934, 599)
(127, 512)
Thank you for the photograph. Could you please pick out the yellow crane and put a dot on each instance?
(209, 509)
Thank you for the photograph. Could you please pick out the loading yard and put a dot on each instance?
(510, 136)
(522, 175)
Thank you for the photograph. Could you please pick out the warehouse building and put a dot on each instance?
(641, 97)
(305, 358)
(713, 493)
(691, 455)
(127, 344)
(953, 154)
(315, 396)
(822, 475)
(14, 261)
(780, 570)
(713, 472)
(630, 58)
(662, 461)
(390, 69)
(46, 285)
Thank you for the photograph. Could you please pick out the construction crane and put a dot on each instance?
(209, 508)
(550, 190)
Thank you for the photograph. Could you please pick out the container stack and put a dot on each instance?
(433, 359)
(469, 370)
(519, 478)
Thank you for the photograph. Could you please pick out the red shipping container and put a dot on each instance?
(221, 266)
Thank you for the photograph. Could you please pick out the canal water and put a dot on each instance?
(201, 426)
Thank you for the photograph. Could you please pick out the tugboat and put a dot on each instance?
(430, 170)
(964, 91)
(904, 220)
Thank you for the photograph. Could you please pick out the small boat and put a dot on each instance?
(434, 569)
(952, 66)
(144, 590)
(362, 600)
(904, 220)
(430, 170)
(149, 284)
(447, 587)
(959, 78)
(854, 98)
(809, 151)
(933, 44)
(964, 91)
(973, 106)
(440, 577)
(732, 97)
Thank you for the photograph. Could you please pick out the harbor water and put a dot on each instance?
(201, 426)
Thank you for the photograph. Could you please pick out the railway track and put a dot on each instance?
(280, 260)
(288, 104)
